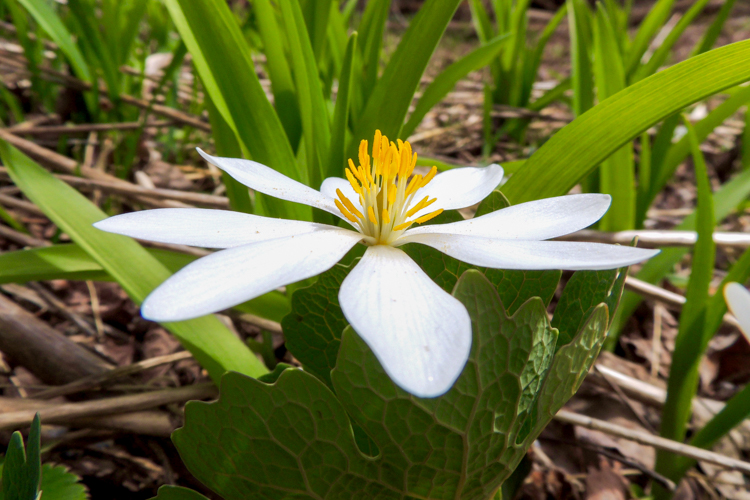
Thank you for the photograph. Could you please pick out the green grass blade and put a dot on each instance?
(390, 100)
(578, 148)
(712, 33)
(336, 162)
(660, 55)
(279, 72)
(746, 141)
(223, 61)
(617, 173)
(648, 29)
(70, 261)
(689, 345)
(48, 19)
(534, 60)
(85, 16)
(726, 200)
(481, 19)
(447, 80)
(371, 30)
(215, 347)
(316, 14)
(316, 127)
(679, 151)
(227, 145)
(580, 41)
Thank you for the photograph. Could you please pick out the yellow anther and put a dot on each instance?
(371, 215)
(403, 226)
(414, 184)
(419, 206)
(386, 217)
(392, 194)
(344, 211)
(428, 177)
(348, 204)
(364, 158)
(376, 144)
(429, 216)
(355, 185)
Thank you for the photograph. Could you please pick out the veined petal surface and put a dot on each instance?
(460, 187)
(203, 227)
(419, 333)
(533, 255)
(268, 181)
(230, 277)
(534, 220)
(738, 300)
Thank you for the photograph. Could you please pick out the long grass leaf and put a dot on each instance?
(580, 57)
(215, 347)
(617, 173)
(390, 100)
(222, 59)
(448, 78)
(371, 30)
(316, 127)
(279, 72)
(712, 33)
(689, 345)
(336, 162)
(48, 19)
(227, 145)
(662, 52)
(578, 148)
(647, 30)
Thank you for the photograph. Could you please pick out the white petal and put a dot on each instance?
(230, 277)
(532, 255)
(202, 227)
(738, 300)
(331, 184)
(535, 220)
(460, 187)
(419, 333)
(268, 181)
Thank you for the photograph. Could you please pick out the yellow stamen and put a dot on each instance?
(344, 211)
(428, 177)
(348, 204)
(392, 195)
(413, 184)
(429, 216)
(419, 206)
(353, 181)
(403, 226)
(371, 215)
(386, 217)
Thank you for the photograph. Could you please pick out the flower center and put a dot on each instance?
(386, 191)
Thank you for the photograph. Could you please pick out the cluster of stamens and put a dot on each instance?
(386, 189)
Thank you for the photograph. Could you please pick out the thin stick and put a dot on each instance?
(647, 439)
(673, 300)
(70, 166)
(664, 481)
(65, 412)
(20, 238)
(100, 379)
(86, 128)
(10, 201)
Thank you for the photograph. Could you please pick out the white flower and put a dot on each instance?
(420, 333)
(738, 301)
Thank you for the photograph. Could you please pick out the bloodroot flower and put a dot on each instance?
(420, 333)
